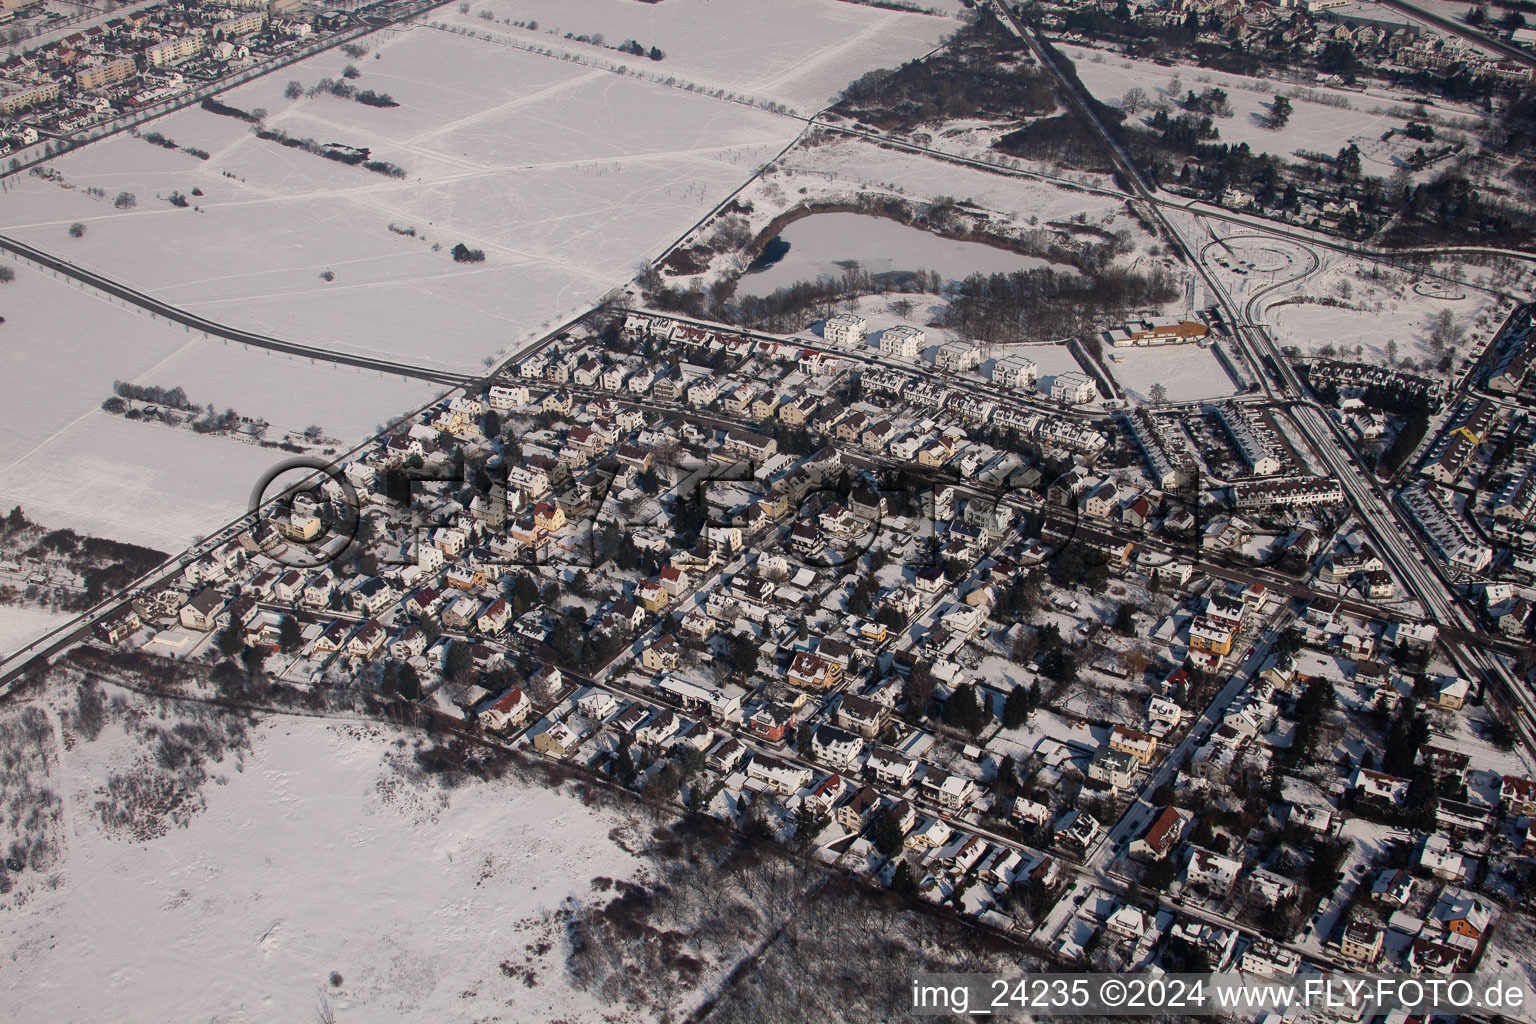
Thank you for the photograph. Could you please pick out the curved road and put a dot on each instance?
(192, 321)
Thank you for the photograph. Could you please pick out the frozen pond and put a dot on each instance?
(823, 244)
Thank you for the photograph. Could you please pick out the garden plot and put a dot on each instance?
(565, 177)
(797, 52)
(320, 849)
(1322, 120)
(1187, 372)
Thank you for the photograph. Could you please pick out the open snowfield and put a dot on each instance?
(1372, 313)
(313, 855)
(795, 52)
(146, 482)
(22, 624)
(565, 176)
(1188, 372)
(1326, 127)
(822, 244)
(843, 165)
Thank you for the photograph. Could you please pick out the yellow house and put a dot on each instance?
(451, 420)
(933, 457)
(651, 596)
(299, 528)
(1211, 638)
(660, 656)
(1139, 745)
(547, 516)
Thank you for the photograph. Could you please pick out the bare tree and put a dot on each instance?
(1134, 100)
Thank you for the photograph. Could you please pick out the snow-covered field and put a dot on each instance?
(1187, 372)
(77, 466)
(22, 624)
(139, 482)
(1371, 314)
(1322, 120)
(565, 176)
(795, 52)
(314, 855)
(843, 165)
(823, 244)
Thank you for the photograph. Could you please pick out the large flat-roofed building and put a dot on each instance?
(902, 341)
(1161, 330)
(240, 25)
(1015, 371)
(1075, 388)
(30, 96)
(172, 51)
(106, 74)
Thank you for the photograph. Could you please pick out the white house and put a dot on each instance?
(949, 790)
(1074, 388)
(845, 330)
(891, 767)
(781, 776)
(836, 747)
(508, 711)
(902, 341)
(1211, 870)
(1015, 371)
(957, 356)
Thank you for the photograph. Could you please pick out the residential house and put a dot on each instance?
(202, 610)
(1160, 837)
(1362, 942)
(508, 711)
(1211, 870)
(891, 767)
(835, 747)
(559, 740)
(781, 776)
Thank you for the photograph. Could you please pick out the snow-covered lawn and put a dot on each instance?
(797, 52)
(313, 855)
(1188, 372)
